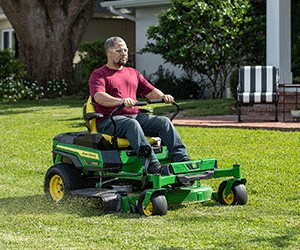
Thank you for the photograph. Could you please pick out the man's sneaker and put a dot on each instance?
(154, 168)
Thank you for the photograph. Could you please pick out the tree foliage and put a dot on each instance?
(207, 37)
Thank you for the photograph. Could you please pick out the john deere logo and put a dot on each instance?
(80, 152)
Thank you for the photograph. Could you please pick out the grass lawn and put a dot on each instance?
(269, 159)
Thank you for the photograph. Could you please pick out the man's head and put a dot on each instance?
(116, 52)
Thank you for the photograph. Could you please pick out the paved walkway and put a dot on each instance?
(230, 121)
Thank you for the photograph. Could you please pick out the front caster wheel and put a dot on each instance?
(236, 196)
(157, 205)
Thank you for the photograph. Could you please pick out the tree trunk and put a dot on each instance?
(48, 33)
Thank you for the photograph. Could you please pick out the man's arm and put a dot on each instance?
(157, 94)
(107, 100)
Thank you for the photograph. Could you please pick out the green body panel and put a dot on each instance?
(200, 193)
(193, 166)
(132, 168)
(129, 200)
(148, 196)
(161, 181)
(88, 157)
(190, 194)
(92, 158)
(235, 172)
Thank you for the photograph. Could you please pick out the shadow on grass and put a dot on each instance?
(73, 119)
(15, 112)
(284, 240)
(39, 204)
(71, 103)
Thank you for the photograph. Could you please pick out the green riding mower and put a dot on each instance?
(105, 167)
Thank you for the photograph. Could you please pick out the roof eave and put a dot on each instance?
(134, 3)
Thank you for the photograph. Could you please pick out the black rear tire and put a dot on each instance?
(60, 179)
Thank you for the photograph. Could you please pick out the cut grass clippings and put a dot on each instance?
(269, 160)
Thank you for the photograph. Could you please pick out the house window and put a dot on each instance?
(7, 39)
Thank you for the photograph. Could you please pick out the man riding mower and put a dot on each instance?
(106, 167)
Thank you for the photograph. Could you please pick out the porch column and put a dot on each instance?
(279, 38)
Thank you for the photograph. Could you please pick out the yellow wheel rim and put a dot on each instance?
(56, 188)
(148, 210)
(230, 198)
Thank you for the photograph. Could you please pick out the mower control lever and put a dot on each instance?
(162, 101)
(121, 106)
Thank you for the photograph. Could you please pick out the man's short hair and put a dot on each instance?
(110, 42)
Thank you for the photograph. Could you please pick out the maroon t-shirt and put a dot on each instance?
(123, 83)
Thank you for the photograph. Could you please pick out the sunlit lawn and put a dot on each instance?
(269, 159)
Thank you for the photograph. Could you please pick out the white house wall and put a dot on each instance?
(149, 62)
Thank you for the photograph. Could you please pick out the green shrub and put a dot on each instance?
(10, 66)
(56, 88)
(164, 80)
(92, 56)
(295, 51)
(188, 88)
(12, 89)
(13, 86)
(184, 87)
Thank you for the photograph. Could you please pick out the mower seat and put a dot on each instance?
(90, 115)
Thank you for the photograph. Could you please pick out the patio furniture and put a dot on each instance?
(257, 85)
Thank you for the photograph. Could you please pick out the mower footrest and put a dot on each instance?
(185, 179)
